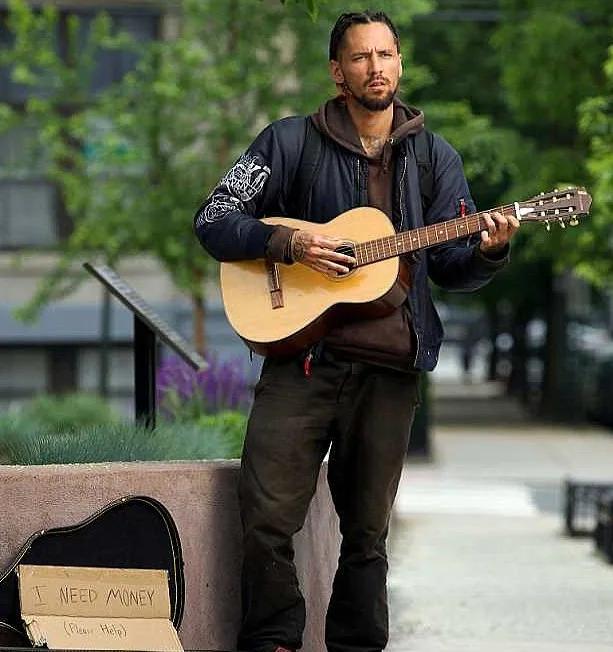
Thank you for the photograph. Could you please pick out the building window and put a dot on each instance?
(27, 214)
(62, 369)
(32, 213)
(23, 374)
(121, 370)
(112, 65)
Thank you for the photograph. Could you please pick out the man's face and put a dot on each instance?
(369, 65)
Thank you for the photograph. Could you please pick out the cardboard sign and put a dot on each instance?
(74, 607)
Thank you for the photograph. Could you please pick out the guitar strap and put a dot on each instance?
(310, 160)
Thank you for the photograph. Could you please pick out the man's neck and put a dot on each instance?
(371, 123)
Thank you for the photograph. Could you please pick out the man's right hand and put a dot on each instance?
(318, 252)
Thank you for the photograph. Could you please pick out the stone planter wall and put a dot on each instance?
(201, 496)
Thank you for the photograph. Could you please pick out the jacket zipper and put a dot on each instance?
(416, 347)
(403, 224)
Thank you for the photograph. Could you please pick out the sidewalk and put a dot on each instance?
(478, 558)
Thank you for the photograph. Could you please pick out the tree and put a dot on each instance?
(526, 73)
(551, 62)
(311, 6)
(134, 161)
(596, 122)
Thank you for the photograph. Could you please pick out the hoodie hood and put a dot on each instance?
(333, 120)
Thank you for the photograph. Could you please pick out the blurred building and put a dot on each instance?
(61, 352)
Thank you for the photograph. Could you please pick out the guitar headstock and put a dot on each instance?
(559, 206)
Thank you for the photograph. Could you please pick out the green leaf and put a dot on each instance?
(22, 74)
(313, 9)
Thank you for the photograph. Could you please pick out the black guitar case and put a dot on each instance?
(131, 532)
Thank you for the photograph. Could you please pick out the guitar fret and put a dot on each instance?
(444, 231)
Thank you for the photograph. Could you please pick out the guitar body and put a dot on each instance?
(312, 302)
(131, 532)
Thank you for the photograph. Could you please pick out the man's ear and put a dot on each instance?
(335, 72)
(399, 65)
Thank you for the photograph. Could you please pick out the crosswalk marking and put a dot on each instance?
(453, 496)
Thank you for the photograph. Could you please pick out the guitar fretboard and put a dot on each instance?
(423, 237)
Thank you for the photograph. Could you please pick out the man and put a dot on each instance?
(355, 393)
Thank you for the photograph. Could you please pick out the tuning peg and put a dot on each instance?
(547, 225)
(561, 223)
(573, 221)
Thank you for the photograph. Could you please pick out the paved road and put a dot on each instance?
(478, 557)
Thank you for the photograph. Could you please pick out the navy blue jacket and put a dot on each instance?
(260, 182)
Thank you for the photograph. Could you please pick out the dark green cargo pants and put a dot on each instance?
(362, 414)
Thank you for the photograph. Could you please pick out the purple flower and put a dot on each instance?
(183, 392)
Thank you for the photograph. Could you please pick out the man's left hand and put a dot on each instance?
(500, 230)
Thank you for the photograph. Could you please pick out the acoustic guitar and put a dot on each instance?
(279, 309)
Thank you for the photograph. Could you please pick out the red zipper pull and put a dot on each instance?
(462, 207)
(307, 365)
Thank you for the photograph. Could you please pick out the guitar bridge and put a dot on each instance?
(274, 285)
(276, 298)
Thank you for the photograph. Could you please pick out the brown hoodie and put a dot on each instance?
(387, 341)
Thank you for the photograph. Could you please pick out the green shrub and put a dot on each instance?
(12, 425)
(231, 424)
(217, 437)
(80, 428)
(68, 413)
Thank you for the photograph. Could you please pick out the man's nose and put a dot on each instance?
(374, 64)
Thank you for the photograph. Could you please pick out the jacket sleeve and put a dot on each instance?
(458, 265)
(228, 223)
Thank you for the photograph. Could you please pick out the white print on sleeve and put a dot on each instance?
(218, 207)
(243, 182)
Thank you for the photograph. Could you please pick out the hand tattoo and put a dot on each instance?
(298, 248)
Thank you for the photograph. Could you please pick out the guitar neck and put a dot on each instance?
(406, 242)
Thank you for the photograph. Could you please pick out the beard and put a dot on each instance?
(372, 103)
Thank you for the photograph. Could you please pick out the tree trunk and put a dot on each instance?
(556, 397)
(518, 380)
(493, 327)
(199, 322)
(105, 345)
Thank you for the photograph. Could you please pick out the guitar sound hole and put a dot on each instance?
(348, 250)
